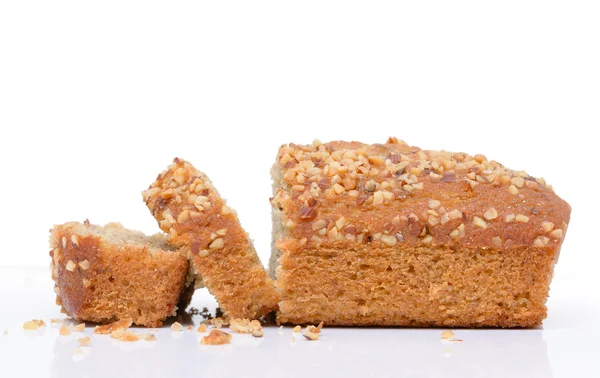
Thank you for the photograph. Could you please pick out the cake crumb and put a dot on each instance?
(293, 339)
(297, 329)
(176, 327)
(258, 332)
(202, 328)
(448, 335)
(112, 327)
(124, 335)
(312, 333)
(5, 332)
(64, 330)
(55, 321)
(219, 322)
(216, 337)
(78, 328)
(84, 341)
(150, 337)
(190, 328)
(244, 325)
(32, 325)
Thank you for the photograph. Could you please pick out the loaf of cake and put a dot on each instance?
(199, 222)
(392, 235)
(107, 273)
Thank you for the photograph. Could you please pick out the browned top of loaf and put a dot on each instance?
(341, 193)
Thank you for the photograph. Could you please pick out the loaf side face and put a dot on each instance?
(347, 201)
(107, 273)
(198, 221)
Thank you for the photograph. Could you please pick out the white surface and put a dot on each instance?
(566, 346)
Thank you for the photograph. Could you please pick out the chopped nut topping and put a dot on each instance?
(312, 333)
(557, 234)
(70, 266)
(109, 328)
(319, 224)
(217, 244)
(434, 204)
(226, 210)
(176, 327)
(378, 198)
(522, 218)
(389, 240)
(216, 337)
(32, 325)
(307, 212)
(497, 241)
(518, 181)
(75, 240)
(222, 232)
(547, 226)
(490, 214)
(370, 186)
(86, 282)
(85, 265)
(479, 222)
(513, 190)
(455, 214)
(84, 341)
(541, 241)
(509, 218)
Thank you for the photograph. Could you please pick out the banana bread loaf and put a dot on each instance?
(199, 222)
(392, 235)
(104, 274)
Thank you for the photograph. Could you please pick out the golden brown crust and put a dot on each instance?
(100, 281)
(197, 220)
(355, 221)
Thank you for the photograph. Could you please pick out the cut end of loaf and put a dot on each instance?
(107, 273)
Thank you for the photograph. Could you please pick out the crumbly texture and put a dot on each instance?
(216, 337)
(391, 235)
(198, 221)
(245, 326)
(106, 273)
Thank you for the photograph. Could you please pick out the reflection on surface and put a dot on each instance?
(340, 351)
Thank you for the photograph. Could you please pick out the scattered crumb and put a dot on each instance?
(32, 325)
(78, 328)
(297, 329)
(55, 321)
(293, 339)
(77, 350)
(177, 327)
(258, 332)
(150, 337)
(312, 333)
(244, 325)
(64, 330)
(124, 335)
(5, 332)
(219, 322)
(448, 335)
(202, 328)
(280, 331)
(84, 341)
(216, 337)
(112, 327)
(190, 328)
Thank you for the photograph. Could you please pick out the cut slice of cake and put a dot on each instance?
(107, 273)
(199, 222)
(391, 235)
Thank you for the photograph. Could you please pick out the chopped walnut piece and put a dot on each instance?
(64, 330)
(109, 328)
(176, 327)
(547, 226)
(448, 335)
(244, 325)
(312, 333)
(297, 329)
(32, 325)
(522, 218)
(85, 265)
(557, 234)
(480, 222)
(216, 337)
(70, 266)
(84, 341)
(124, 335)
(490, 214)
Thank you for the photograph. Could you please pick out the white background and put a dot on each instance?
(96, 98)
